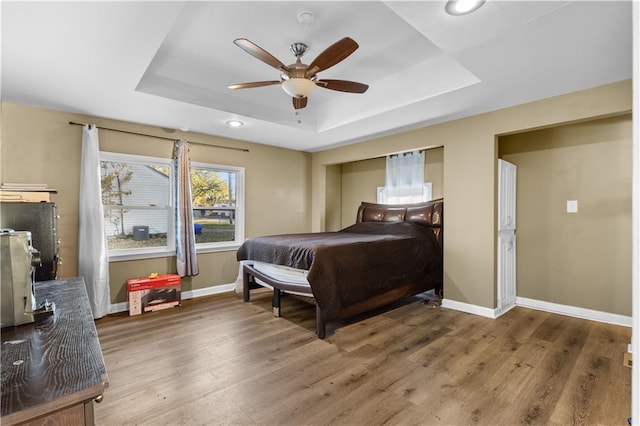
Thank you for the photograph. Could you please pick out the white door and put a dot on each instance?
(506, 235)
(506, 196)
(506, 272)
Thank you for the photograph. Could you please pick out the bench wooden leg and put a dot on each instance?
(275, 302)
(321, 327)
(246, 284)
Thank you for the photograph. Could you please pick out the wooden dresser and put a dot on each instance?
(52, 370)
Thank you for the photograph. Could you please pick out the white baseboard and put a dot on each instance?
(190, 294)
(574, 311)
(118, 307)
(540, 305)
(208, 291)
(469, 308)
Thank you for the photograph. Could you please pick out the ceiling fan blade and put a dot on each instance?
(254, 84)
(333, 54)
(299, 103)
(343, 86)
(258, 52)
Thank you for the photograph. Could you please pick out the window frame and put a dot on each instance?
(239, 212)
(169, 249)
(116, 255)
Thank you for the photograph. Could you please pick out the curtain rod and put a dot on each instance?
(161, 137)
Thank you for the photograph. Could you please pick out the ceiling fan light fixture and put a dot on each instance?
(462, 7)
(298, 87)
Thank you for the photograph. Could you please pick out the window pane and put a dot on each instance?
(214, 204)
(136, 195)
(214, 225)
(134, 184)
(129, 228)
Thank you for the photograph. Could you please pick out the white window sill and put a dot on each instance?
(232, 246)
(120, 257)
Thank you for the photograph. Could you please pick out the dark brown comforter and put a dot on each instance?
(357, 263)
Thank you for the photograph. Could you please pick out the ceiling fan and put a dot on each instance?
(298, 79)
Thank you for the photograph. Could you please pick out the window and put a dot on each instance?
(407, 198)
(136, 194)
(404, 179)
(217, 196)
(139, 213)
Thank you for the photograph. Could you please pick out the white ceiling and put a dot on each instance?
(168, 64)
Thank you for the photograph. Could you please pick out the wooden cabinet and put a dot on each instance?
(52, 370)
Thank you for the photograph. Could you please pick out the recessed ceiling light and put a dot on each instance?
(462, 7)
(235, 123)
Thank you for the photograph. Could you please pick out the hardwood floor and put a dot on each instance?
(218, 360)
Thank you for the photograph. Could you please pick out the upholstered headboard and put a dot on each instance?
(429, 213)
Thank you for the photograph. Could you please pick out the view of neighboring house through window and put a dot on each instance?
(138, 210)
(136, 195)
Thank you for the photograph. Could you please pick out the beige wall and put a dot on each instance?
(39, 146)
(334, 199)
(470, 158)
(361, 179)
(581, 259)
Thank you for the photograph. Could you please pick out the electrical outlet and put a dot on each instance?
(572, 206)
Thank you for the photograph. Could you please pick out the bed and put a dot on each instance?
(390, 253)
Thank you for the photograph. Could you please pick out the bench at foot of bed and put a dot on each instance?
(250, 274)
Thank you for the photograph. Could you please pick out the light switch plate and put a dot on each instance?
(572, 206)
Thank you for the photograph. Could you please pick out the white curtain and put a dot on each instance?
(93, 260)
(404, 178)
(186, 260)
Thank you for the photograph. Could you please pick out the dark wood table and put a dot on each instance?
(52, 370)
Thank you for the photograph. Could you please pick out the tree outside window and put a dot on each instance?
(115, 177)
(214, 204)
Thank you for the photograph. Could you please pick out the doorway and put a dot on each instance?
(574, 214)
